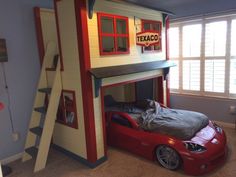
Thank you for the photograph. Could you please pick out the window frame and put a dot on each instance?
(143, 21)
(227, 57)
(231, 57)
(197, 58)
(62, 108)
(115, 35)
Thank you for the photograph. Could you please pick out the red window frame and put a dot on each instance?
(70, 107)
(115, 35)
(159, 31)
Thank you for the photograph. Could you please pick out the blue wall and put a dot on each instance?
(22, 69)
(215, 108)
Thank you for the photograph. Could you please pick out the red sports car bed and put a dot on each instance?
(175, 138)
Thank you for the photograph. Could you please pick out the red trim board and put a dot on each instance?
(159, 85)
(103, 121)
(86, 78)
(115, 35)
(1, 106)
(40, 42)
(143, 21)
(72, 108)
(39, 34)
(167, 58)
(58, 34)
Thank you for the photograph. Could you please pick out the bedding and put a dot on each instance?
(151, 116)
(181, 124)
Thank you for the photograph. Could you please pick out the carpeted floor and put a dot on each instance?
(119, 164)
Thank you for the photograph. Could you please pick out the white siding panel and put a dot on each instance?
(134, 13)
(66, 137)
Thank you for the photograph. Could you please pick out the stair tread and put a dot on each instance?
(32, 151)
(42, 109)
(37, 130)
(45, 90)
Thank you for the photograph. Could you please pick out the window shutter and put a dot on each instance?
(232, 87)
(192, 40)
(215, 56)
(215, 39)
(174, 42)
(215, 75)
(174, 75)
(233, 38)
(191, 75)
(233, 76)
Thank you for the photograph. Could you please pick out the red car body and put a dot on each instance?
(1, 106)
(144, 143)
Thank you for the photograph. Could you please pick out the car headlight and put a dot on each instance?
(218, 129)
(193, 147)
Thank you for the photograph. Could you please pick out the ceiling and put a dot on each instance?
(185, 8)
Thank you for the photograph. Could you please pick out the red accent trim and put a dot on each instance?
(39, 34)
(86, 78)
(150, 22)
(40, 41)
(167, 38)
(167, 58)
(159, 43)
(1, 106)
(58, 34)
(72, 108)
(160, 92)
(103, 121)
(50, 69)
(114, 35)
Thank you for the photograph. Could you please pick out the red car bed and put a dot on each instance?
(175, 138)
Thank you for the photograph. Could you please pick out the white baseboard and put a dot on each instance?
(224, 124)
(11, 159)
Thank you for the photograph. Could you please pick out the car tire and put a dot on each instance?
(168, 157)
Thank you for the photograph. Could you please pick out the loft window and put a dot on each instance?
(149, 25)
(67, 113)
(113, 34)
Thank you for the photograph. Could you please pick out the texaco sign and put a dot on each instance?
(147, 38)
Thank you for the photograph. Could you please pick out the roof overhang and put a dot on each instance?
(92, 2)
(113, 71)
(144, 5)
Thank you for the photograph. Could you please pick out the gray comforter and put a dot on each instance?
(181, 124)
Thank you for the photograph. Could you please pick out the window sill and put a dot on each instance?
(113, 53)
(67, 124)
(204, 96)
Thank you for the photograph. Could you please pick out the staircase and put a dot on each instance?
(43, 117)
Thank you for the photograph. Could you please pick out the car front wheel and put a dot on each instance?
(168, 157)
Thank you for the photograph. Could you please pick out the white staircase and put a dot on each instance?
(43, 117)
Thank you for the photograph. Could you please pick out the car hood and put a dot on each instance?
(204, 135)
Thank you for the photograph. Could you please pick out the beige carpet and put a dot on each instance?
(119, 164)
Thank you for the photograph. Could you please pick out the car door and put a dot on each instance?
(122, 132)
